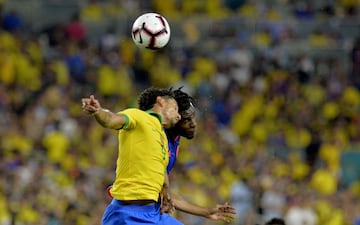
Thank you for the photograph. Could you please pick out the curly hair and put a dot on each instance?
(183, 100)
(147, 98)
(276, 221)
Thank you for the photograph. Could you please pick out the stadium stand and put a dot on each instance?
(277, 87)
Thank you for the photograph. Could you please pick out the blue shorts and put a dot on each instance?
(168, 219)
(119, 213)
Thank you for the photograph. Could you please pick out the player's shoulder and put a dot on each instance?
(132, 111)
(136, 114)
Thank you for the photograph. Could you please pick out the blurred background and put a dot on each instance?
(277, 89)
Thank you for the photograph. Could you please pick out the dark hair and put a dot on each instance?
(275, 221)
(147, 98)
(183, 100)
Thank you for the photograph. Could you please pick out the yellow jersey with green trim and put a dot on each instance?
(142, 157)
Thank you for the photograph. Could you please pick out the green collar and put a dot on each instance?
(155, 114)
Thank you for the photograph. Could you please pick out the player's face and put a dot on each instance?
(170, 113)
(186, 127)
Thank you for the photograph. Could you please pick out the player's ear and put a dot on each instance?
(159, 101)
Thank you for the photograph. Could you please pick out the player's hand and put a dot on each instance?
(223, 212)
(90, 105)
(167, 205)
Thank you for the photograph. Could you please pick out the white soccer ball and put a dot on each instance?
(151, 30)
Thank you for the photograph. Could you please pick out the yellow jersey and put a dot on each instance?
(142, 157)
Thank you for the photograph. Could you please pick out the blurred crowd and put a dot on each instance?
(273, 123)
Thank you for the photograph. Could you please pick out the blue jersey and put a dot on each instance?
(173, 144)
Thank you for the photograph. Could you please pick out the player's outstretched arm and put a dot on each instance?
(104, 117)
(224, 212)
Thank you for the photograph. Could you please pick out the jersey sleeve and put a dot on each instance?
(130, 116)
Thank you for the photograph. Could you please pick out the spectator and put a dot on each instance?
(355, 63)
(12, 21)
(275, 221)
(92, 11)
(75, 30)
(110, 40)
(241, 199)
(300, 211)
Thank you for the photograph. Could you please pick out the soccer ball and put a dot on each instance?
(151, 31)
